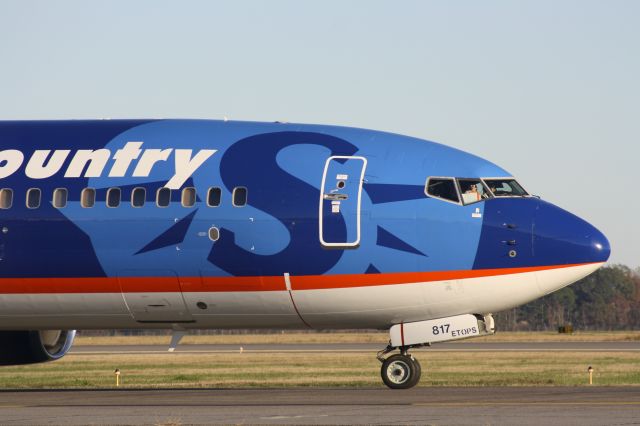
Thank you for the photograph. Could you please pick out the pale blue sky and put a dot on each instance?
(547, 89)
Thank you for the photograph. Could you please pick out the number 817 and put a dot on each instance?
(437, 329)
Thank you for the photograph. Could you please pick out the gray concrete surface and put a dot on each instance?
(633, 346)
(435, 406)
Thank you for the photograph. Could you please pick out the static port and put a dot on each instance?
(201, 305)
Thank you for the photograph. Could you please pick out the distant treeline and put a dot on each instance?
(608, 299)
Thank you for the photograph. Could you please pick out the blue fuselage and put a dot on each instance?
(281, 166)
(199, 206)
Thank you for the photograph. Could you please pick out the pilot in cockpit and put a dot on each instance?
(473, 190)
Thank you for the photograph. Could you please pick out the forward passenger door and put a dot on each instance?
(340, 201)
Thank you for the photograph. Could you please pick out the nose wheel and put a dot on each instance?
(401, 371)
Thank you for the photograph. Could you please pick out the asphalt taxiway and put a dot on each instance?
(435, 405)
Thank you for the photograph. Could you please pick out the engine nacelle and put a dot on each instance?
(33, 346)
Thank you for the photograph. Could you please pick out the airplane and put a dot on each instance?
(206, 224)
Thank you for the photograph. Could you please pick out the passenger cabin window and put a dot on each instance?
(33, 198)
(6, 198)
(88, 198)
(188, 197)
(443, 188)
(138, 196)
(505, 188)
(163, 197)
(472, 190)
(239, 196)
(60, 197)
(113, 197)
(214, 195)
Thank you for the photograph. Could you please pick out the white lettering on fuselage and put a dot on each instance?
(10, 162)
(87, 163)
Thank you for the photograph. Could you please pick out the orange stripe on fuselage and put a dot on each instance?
(243, 284)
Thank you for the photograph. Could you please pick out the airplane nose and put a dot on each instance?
(560, 237)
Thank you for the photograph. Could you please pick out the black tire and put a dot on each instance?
(418, 374)
(401, 371)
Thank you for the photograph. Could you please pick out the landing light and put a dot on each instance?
(599, 246)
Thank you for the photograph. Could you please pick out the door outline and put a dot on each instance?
(134, 300)
(356, 243)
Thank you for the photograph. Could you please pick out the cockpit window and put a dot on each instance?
(505, 188)
(473, 190)
(444, 188)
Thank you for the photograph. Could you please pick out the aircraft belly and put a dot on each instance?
(259, 309)
(239, 303)
(72, 304)
(384, 305)
(72, 322)
(64, 310)
(252, 321)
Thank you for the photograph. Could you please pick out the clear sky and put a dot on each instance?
(550, 90)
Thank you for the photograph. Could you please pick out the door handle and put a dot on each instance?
(335, 197)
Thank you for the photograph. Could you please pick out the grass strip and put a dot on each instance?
(261, 370)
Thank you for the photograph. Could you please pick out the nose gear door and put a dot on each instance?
(340, 200)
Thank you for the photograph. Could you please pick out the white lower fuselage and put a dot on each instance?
(343, 306)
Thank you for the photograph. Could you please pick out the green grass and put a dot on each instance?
(323, 369)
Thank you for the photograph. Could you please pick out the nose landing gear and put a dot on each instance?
(402, 371)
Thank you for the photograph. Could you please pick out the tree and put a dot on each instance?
(608, 299)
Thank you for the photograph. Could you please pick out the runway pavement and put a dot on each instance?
(631, 346)
(436, 406)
